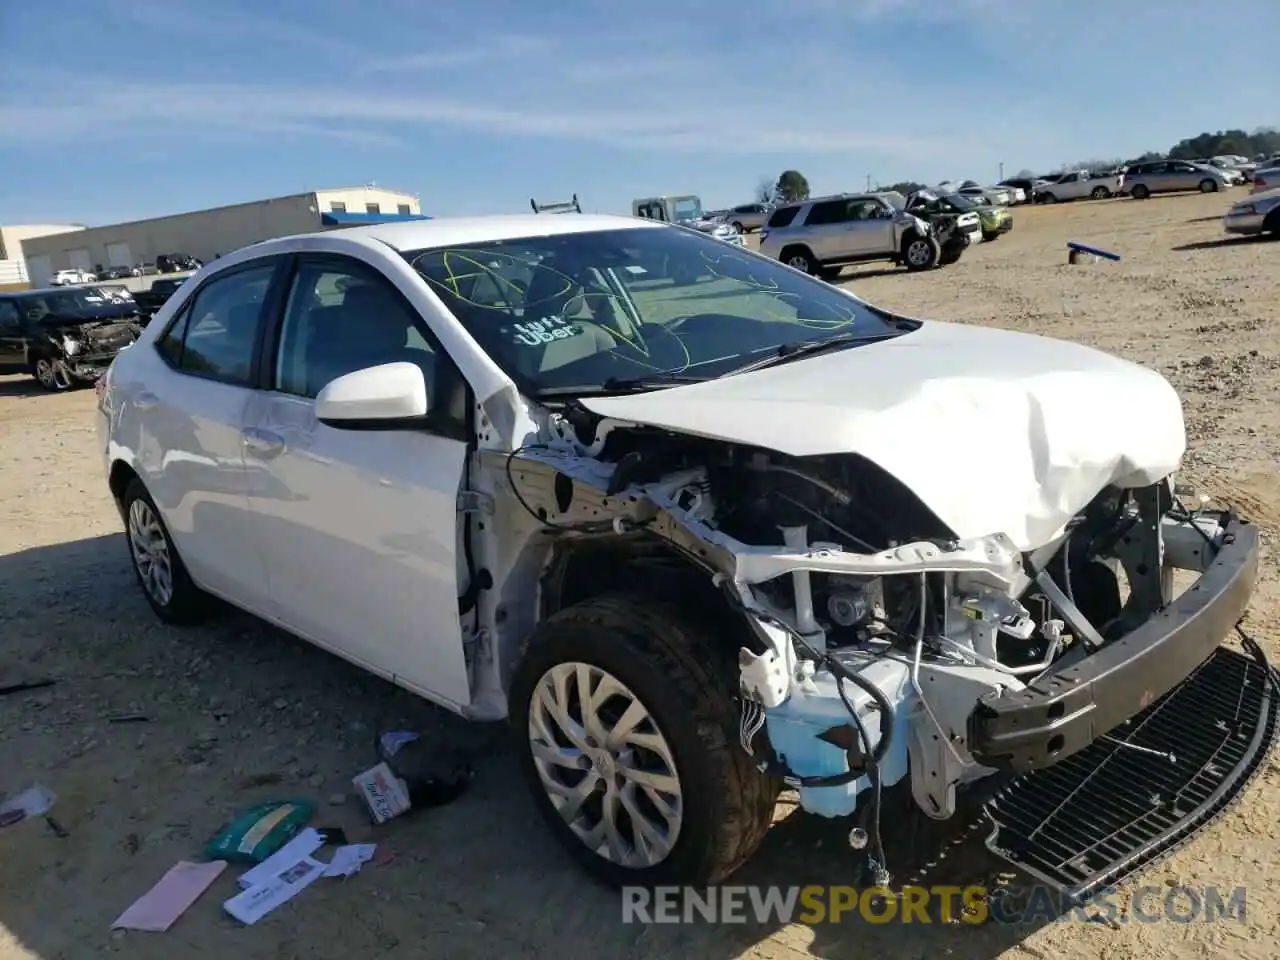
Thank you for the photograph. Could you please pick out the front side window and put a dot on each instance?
(215, 336)
(577, 311)
(10, 318)
(341, 317)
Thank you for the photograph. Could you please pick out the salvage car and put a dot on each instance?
(823, 235)
(64, 337)
(696, 541)
(993, 222)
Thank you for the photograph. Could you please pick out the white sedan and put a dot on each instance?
(695, 523)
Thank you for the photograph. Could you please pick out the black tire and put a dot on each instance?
(186, 602)
(686, 680)
(738, 226)
(991, 236)
(920, 253)
(1140, 192)
(1208, 186)
(830, 274)
(1048, 198)
(1100, 193)
(1271, 225)
(801, 259)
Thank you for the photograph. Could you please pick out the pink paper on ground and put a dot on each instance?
(157, 909)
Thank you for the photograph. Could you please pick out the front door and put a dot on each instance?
(13, 354)
(359, 528)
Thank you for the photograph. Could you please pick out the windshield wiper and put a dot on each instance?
(807, 348)
(653, 381)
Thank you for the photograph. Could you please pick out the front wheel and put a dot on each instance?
(920, 253)
(1140, 192)
(991, 236)
(1100, 193)
(623, 715)
(1208, 186)
(1048, 198)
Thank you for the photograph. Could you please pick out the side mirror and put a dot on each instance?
(390, 396)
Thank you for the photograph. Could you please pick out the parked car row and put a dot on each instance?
(164, 263)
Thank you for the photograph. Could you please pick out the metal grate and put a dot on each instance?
(1136, 794)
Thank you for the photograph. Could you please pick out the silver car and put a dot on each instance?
(1266, 178)
(1259, 213)
(1169, 176)
(749, 216)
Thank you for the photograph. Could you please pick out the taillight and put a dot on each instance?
(1259, 181)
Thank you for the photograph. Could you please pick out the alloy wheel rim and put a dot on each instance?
(605, 765)
(918, 253)
(44, 374)
(798, 263)
(150, 550)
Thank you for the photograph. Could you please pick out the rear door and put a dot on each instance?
(190, 418)
(359, 528)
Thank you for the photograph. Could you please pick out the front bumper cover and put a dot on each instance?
(1063, 713)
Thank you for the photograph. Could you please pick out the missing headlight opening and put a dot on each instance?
(878, 646)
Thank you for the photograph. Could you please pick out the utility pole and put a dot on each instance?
(868, 183)
(1001, 172)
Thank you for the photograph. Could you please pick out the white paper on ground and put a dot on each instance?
(302, 846)
(250, 906)
(35, 801)
(157, 909)
(348, 860)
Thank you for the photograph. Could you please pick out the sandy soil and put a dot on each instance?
(237, 713)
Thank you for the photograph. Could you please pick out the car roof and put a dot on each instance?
(450, 231)
(39, 291)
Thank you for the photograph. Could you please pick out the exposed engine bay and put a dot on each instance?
(881, 646)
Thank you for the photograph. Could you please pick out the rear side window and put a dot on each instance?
(215, 335)
(9, 316)
(783, 216)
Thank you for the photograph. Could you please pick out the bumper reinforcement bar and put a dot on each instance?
(1065, 712)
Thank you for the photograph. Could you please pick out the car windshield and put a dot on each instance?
(581, 311)
(961, 202)
(687, 208)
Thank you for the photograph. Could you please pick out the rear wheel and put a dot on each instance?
(920, 253)
(1100, 193)
(739, 227)
(1208, 186)
(991, 235)
(1048, 198)
(624, 722)
(1271, 224)
(800, 258)
(830, 274)
(160, 571)
(1140, 192)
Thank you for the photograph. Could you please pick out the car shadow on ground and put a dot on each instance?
(20, 386)
(1217, 244)
(235, 713)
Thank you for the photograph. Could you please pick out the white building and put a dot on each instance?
(205, 234)
(13, 269)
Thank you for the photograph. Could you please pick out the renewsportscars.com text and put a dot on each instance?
(936, 904)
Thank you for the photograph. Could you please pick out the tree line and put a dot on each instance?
(791, 185)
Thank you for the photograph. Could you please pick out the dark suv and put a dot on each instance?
(176, 263)
(64, 336)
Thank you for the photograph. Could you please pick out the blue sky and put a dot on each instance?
(120, 109)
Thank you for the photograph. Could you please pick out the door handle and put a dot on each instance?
(263, 444)
(146, 401)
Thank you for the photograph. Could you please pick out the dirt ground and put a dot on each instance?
(237, 714)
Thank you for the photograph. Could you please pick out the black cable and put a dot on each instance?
(511, 481)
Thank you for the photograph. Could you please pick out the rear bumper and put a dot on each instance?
(1064, 713)
(1246, 225)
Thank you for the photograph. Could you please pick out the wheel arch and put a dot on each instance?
(118, 479)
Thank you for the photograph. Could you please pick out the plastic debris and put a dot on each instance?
(258, 833)
(35, 801)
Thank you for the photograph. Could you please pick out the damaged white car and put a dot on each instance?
(702, 527)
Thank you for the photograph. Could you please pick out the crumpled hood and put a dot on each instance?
(995, 431)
